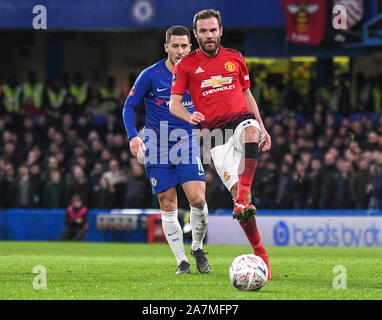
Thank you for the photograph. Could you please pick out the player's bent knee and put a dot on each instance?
(168, 200)
(251, 134)
(167, 204)
(198, 203)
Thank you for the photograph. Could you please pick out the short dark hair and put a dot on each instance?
(208, 13)
(177, 31)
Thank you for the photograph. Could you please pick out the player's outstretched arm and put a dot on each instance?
(252, 107)
(137, 147)
(177, 109)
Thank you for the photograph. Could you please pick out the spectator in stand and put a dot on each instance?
(294, 150)
(314, 184)
(112, 175)
(380, 143)
(48, 137)
(34, 157)
(109, 96)
(339, 144)
(138, 187)
(267, 183)
(283, 196)
(50, 165)
(305, 158)
(10, 154)
(355, 148)
(9, 136)
(300, 186)
(109, 140)
(124, 160)
(23, 188)
(111, 125)
(376, 187)
(309, 130)
(280, 148)
(96, 173)
(10, 97)
(2, 166)
(343, 95)
(357, 131)
(76, 217)
(120, 189)
(318, 122)
(292, 129)
(41, 128)
(59, 139)
(372, 143)
(78, 95)
(103, 195)
(28, 142)
(32, 94)
(67, 123)
(79, 184)
(288, 159)
(54, 98)
(292, 97)
(78, 151)
(368, 124)
(118, 145)
(96, 148)
(84, 127)
(38, 185)
(27, 126)
(327, 200)
(54, 191)
(105, 158)
(379, 125)
(329, 134)
(360, 183)
(6, 183)
(342, 194)
(320, 148)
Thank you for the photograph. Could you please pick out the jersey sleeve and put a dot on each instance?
(141, 87)
(244, 74)
(137, 93)
(179, 79)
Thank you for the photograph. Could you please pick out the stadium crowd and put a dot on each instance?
(67, 137)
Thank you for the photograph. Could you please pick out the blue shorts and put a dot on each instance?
(164, 177)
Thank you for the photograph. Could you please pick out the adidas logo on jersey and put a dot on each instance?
(199, 70)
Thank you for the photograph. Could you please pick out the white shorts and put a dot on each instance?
(227, 157)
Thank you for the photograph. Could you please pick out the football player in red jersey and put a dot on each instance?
(218, 82)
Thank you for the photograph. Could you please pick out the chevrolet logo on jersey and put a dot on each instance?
(216, 81)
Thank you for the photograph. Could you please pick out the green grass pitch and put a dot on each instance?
(121, 271)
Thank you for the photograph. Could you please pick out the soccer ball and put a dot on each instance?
(248, 272)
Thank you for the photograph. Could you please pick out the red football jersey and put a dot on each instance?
(215, 85)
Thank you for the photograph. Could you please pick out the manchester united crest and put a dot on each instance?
(229, 66)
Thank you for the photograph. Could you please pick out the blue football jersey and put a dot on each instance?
(153, 86)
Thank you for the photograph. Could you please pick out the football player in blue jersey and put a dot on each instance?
(164, 137)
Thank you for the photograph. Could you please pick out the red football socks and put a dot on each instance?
(250, 229)
(247, 168)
